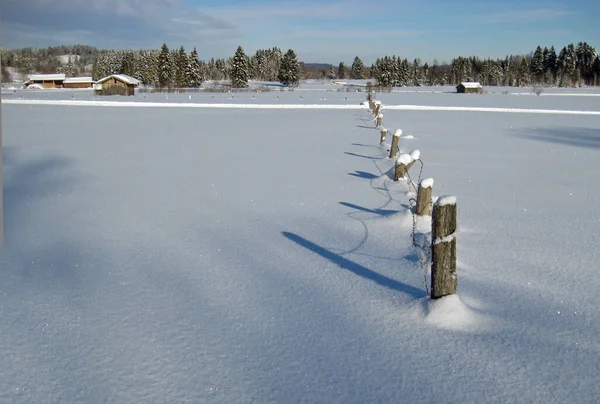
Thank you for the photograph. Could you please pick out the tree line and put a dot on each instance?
(574, 65)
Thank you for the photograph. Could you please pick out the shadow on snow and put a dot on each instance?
(354, 267)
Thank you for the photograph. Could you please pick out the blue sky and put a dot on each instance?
(319, 31)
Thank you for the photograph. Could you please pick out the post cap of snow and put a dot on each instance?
(427, 183)
(380, 116)
(398, 132)
(377, 102)
(446, 200)
(415, 154)
(405, 159)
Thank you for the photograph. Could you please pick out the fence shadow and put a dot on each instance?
(354, 267)
(578, 137)
(382, 212)
(363, 174)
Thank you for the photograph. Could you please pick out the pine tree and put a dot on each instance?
(289, 71)
(358, 69)
(536, 67)
(240, 69)
(180, 62)
(194, 77)
(341, 71)
(331, 74)
(165, 67)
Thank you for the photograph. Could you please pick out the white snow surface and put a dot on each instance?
(398, 132)
(237, 255)
(415, 154)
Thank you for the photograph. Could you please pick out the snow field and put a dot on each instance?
(236, 255)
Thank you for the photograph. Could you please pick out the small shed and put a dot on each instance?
(46, 80)
(469, 87)
(78, 82)
(116, 84)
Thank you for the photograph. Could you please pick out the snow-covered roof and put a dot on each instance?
(46, 77)
(79, 80)
(471, 84)
(121, 77)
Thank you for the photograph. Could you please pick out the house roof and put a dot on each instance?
(121, 77)
(79, 80)
(470, 84)
(46, 77)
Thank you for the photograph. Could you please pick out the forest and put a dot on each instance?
(573, 66)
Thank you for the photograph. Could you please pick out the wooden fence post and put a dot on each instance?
(424, 192)
(379, 120)
(443, 248)
(402, 165)
(384, 132)
(395, 138)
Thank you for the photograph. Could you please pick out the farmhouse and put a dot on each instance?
(78, 82)
(469, 87)
(116, 84)
(46, 80)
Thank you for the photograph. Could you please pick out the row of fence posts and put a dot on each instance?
(443, 213)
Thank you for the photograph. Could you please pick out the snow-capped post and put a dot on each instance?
(395, 138)
(379, 121)
(443, 248)
(377, 108)
(424, 192)
(402, 165)
(384, 132)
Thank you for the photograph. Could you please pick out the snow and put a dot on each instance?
(398, 132)
(427, 183)
(232, 254)
(78, 80)
(446, 200)
(449, 312)
(405, 159)
(46, 77)
(121, 77)
(415, 154)
(471, 84)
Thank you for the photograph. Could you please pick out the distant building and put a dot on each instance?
(78, 82)
(116, 84)
(469, 87)
(46, 80)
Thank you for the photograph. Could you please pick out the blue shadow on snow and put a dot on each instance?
(354, 267)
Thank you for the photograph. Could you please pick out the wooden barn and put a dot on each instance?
(469, 87)
(46, 80)
(116, 84)
(78, 82)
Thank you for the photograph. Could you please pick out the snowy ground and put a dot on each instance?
(235, 255)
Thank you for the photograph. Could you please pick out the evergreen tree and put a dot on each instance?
(596, 68)
(165, 67)
(523, 73)
(536, 67)
(331, 74)
(180, 67)
(341, 71)
(194, 76)
(358, 69)
(289, 71)
(127, 64)
(240, 69)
